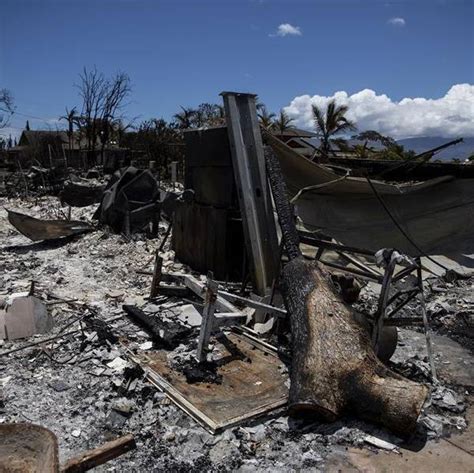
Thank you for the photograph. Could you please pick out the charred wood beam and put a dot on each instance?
(100, 455)
(165, 334)
(284, 209)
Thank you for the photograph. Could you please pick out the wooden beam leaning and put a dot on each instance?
(251, 182)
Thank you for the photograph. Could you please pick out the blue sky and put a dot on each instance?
(187, 52)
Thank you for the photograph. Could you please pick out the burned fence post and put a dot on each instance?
(155, 284)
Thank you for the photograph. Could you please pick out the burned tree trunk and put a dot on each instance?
(334, 367)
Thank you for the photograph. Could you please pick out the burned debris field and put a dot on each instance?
(242, 307)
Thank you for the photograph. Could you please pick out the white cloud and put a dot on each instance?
(449, 116)
(397, 21)
(285, 29)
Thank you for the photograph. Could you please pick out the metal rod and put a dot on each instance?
(251, 303)
(357, 272)
(404, 321)
(403, 272)
(400, 293)
(384, 294)
(309, 239)
(207, 318)
(403, 304)
(358, 263)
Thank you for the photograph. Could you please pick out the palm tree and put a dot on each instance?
(71, 118)
(283, 122)
(265, 118)
(329, 123)
(184, 119)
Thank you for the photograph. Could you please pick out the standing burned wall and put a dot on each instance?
(208, 233)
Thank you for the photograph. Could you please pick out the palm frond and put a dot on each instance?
(319, 120)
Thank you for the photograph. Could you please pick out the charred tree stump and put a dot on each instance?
(334, 369)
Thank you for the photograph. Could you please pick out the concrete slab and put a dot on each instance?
(455, 364)
(465, 441)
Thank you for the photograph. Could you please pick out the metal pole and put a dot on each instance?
(251, 181)
(207, 318)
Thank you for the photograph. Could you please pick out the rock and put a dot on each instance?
(145, 346)
(448, 399)
(311, 457)
(223, 452)
(434, 423)
(118, 365)
(256, 433)
(190, 316)
(169, 437)
(59, 385)
(124, 407)
(116, 420)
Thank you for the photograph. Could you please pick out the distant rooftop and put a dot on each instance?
(295, 132)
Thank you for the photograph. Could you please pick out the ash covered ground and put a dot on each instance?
(84, 389)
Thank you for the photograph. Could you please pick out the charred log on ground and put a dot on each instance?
(334, 369)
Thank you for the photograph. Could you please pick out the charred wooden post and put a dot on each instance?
(155, 284)
(334, 367)
(100, 455)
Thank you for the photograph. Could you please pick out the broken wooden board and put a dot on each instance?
(37, 230)
(249, 389)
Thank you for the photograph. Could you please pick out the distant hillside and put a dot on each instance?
(460, 151)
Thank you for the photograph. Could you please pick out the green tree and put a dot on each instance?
(185, 118)
(265, 118)
(395, 152)
(283, 122)
(159, 140)
(375, 137)
(209, 115)
(71, 117)
(391, 150)
(329, 123)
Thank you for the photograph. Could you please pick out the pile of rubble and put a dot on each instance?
(81, 379)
